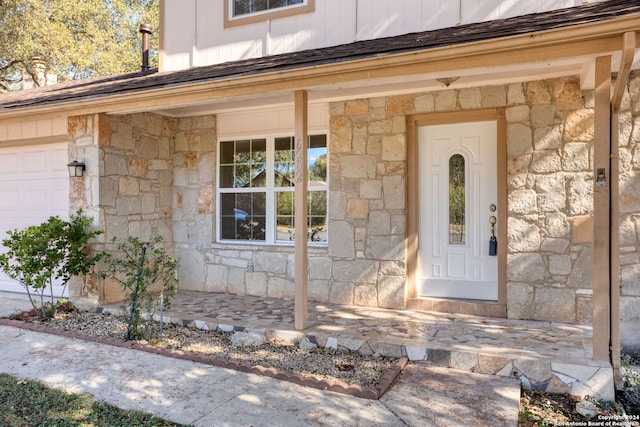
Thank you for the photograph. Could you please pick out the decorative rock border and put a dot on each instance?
(372, 393)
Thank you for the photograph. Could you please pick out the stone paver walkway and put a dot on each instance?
(547, 356)
(396, 328)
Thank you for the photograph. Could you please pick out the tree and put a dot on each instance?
(74, 38)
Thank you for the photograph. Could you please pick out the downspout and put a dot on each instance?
(628, 52)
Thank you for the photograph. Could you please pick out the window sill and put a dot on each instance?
(276, 247)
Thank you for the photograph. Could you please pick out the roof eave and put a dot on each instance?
(592, 39)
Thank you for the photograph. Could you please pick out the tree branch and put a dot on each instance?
(11, 64)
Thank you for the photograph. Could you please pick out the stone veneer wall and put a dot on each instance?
(193, 186)
(368, 208)
(157, 176)
(630, 214)
(87, 134)
(550, 202)
(128, 184)
(550, 135)
(549, 143)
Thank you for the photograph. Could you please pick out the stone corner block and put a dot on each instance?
(594, 381)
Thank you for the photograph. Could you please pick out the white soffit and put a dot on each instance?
(367, 88)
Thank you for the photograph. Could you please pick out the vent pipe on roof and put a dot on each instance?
(146, 30)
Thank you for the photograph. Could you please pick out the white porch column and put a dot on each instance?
(300, 216)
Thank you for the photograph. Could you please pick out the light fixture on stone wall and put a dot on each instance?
(76, 168)
(446, 81)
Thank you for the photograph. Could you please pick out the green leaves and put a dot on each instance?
(74, 38)
(30, 403)
(53, 250)
(142, 269)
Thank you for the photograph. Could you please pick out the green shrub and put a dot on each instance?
(143, 268)
(55, 250)
(629, 395)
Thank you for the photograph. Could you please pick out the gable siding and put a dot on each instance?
(194, 34)
(14, 132)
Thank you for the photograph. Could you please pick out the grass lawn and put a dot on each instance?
(26, 403)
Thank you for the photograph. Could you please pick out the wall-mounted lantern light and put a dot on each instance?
(76, 168)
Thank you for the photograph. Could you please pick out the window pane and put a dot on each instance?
(277, 3)
(317, 212)
(226, 176)
(285, 161)
(456, 200)
(284, 165)
(316, 216)
(243, 216)
(243, 7)
(259, 5)
(258, 163)
(242, 152)
(227, 151)
(284, 215)
(318, 160)
(240, 7)
(243, 163)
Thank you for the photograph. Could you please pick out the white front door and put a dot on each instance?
(458, 196)
(34, 185)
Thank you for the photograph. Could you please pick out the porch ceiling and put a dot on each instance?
(582, 67)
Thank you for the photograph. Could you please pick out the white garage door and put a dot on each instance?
(34, 185)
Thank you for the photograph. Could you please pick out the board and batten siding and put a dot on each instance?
(14, 132)
(276, 121)
(194, 33)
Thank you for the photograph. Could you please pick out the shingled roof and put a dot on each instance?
(141, 81)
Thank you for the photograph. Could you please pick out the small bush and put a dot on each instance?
(629, 396)
(142, 267)
(55, 250)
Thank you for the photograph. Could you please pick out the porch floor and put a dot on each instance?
(537, 351)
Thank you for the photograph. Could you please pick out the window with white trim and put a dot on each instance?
(256, 190)
(246, 7)
(241, 12)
